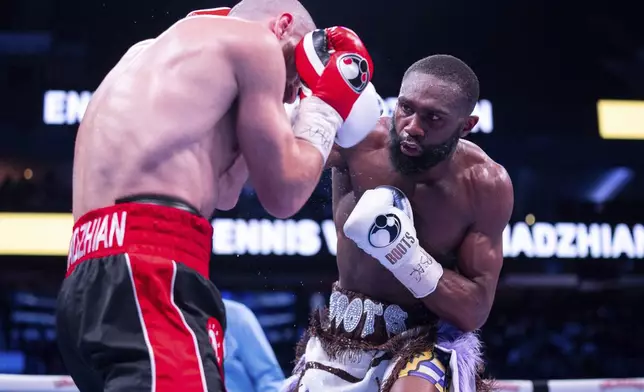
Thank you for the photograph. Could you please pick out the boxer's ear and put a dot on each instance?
(470, 123)
(283, 26)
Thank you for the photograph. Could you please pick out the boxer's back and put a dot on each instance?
(443, 210)
(155, 127)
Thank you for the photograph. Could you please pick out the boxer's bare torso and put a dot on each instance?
(160, 123)
(443, 209)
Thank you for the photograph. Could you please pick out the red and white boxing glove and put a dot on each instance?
(361, 120)
(336, 76)
(219, 11)
(336, 68)
(335, 65)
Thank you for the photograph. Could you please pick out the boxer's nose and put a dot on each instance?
(414, 128)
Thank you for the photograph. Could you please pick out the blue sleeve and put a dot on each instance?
(255, 352)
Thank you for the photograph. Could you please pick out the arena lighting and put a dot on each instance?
(609, 185)
(35, 234)
(49, 234)
(68, 107)
(620, 119)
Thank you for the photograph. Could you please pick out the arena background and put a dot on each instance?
(562, 108)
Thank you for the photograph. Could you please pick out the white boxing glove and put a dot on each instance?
(361, 120)
(382, 225)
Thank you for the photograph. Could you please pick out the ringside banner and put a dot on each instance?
(49, 234)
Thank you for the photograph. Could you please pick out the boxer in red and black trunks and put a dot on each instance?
(137, 305)
(172, 134)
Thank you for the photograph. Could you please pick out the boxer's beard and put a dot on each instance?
(431, 155)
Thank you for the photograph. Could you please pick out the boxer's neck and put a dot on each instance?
(438, 172)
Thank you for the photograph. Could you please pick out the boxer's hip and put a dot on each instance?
(137, 286)
(366, 322)
(152, 226)
(360, 344)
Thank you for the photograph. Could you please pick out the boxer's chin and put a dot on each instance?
(418, 161)
(410, 149)
(404, 163)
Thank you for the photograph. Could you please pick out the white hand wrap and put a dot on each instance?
(317, 123)
(361, 121)
(382, 225)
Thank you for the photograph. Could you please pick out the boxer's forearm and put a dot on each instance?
(284, 193)
(459, 301)
(303, 158)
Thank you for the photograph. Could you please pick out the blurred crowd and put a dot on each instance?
(44, 194)
(559, 334)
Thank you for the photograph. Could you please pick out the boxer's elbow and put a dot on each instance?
(469, 323)
(472, 319)
(466, 314)
(280, 207)
(287, 189)
(280, 199)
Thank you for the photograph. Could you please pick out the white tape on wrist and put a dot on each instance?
(420, 273)
(291, 110)
(317, 123)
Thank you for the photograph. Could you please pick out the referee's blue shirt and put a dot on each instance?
(250, 364)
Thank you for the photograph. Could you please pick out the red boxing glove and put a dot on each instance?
(335, 65)
(219, 11)
(342, 39)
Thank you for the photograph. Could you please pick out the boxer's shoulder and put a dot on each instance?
(248, 36)
(257, 54)
(378, 138)
(487, 179)
(231, 34)
(383, 125)
(375, 141)
(479, 166)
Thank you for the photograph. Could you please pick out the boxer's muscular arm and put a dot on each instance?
(465, 298)
(283, 169)
(232, 182)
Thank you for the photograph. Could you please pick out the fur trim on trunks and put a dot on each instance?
(402, 346)
(424, 333)
(469, 354)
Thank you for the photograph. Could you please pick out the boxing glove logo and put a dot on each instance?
(384, 230)
(354, 69)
